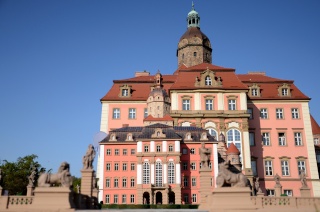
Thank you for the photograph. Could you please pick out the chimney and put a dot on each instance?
(142, 73)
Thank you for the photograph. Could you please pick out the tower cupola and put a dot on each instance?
(193, 18)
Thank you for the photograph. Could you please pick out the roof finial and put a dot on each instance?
(192, 5)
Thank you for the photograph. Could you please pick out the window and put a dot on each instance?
(107, 198)
(124, 167)
(108, 183)
(232, 104)
(268, 167)
(124, 182)
(233, 136)
(115, 198)
(295, 113)
(208, 81)
(200, 165)
(212, 132)
(145, 112)
(250, 111)
(124, 198)
(185, 181)
(108, 166)
(170, 148)
(132, 113)
(279, 113)
(316, 141)
(254, 92)
(254, 167)
(116, 183)
(297, 139)
(251, 139)
(301, 166)
(209, 104)
(132, 183)
(270, 192)
(194, 181)
(132, 166)
(171, 173)
(263, 113)
(184, 151)
(282, 139)
(116, 152)
(284, 92)
(108, 151)
(146, 173)
(210, 165)
(116, 166)
(193, 166)
(192, 151)
(194, 54)
(194, 198)
(125, 92)
(116, 113)
(133, 151)
(124, 151)
(186, 104)
(132, 198)
(266, 139)
(186, 198)
(158, 148)
(288, 192)
(285, 168)
(185, 166)
(158, 174)
(146, 148)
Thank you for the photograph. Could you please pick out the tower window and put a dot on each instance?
(194, 54)
(182, 56)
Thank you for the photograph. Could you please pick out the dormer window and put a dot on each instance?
(254, 91)
(284, 90)
(208, 80)
(125, 91)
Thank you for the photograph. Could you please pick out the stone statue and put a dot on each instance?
(89, 157)
(63, 176)
(303, 179)
(32, 176)
(204, 155)
(257, 185)
(277, 180)
(226, 177)
(78, 188)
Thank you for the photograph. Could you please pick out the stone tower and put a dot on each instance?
(233, 156)
(194, 47)
(158, 101)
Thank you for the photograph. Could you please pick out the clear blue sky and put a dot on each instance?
(58, 58)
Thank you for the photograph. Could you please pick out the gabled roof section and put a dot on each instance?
(269, 87)
(165, 118)
(315, 126)
(201, 67)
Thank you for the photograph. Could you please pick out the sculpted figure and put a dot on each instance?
(32, 176)
(63, 176)
(277, 180)
(303, 179)
(89, 157)
(226, 177)
(204, 155)
(257, 185)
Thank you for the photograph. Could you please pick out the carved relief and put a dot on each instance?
(208, 79)
(158, 133)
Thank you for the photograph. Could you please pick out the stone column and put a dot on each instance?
(205, 187)
(278, 190)
(87, 188)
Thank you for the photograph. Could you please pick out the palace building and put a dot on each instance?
(158, 125)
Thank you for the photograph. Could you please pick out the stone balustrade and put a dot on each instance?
(285, 202)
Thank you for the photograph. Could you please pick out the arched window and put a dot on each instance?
(234, 136)
(212, 132)
(146, 173)
(171, 173)
(158, 174)
(208, 80)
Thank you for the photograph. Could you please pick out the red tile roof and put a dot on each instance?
(315, 126)
(232, 149)
(165, 118)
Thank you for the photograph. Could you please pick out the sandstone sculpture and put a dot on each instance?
(303, 179)
(63, 176)
(204, 155)
(257, 185)
(32, 176)
(227, 178)
(89, 157)
(277, 180)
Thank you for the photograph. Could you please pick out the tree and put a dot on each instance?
(76, 182)
(15, 174)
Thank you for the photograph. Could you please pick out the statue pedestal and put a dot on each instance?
(278, 190)
(205, 187)
(30, 190)
(53, 199)
(305, 192)
(87, 194)
(231, 198)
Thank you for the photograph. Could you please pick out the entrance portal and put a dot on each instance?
(158, 197)
(172, 199)
(146, 198)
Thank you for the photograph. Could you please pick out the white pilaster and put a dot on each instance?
(100, 172)
(152, 173)
(220, 101)
(174, 101)
(197, 101)
(164, 146)
(139, 174)
(152, 146)
(139, 146)
(165, 174)
(246, 156)
(177, 146)
(215, 162)
(243, 101)
(178, 173)
(104, 117)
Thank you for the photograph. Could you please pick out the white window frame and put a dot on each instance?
(254, 92)
(208, 80)
(266, 139)
(131, 198)
(285, 169)
(116, 113)
(298, 138)
(186, 104)
(158, 172)
(288, 192)
(194, 198)
(279, 113)
(209, 104)
(268, 166)
(193, 166)
(282, 139)
(232, 104)
(146, 173)
(132, 113)
(115, 199)
(264, 113)
(295, 113)
(171, 173)
(107, 198)
(301, 166)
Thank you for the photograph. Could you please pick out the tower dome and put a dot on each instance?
(194, 46)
